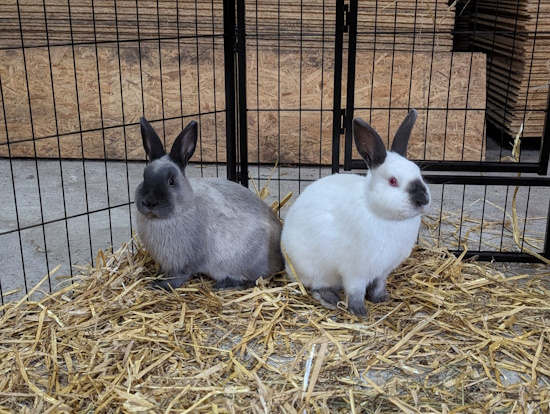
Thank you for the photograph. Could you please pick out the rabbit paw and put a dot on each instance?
(231, 283)
(328, 297)
(173, 282)
(356, 305)
(380, 297)
(377, 292)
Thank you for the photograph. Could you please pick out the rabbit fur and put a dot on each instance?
(350, 231)
(211, 226)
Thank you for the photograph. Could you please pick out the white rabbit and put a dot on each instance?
(350, 231)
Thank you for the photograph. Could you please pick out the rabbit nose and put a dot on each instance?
(149, 201)
(419, 193)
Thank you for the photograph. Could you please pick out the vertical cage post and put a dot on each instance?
(545, 141)
(242, 123)
(543, 162)
(229, 66)
(337, 102)
(350, 94)
(546, 251)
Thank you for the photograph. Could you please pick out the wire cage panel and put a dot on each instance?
(75, 77)
(42, 23)
(489, 221)
(293, 79)
(99, 91)
(274, 87)
(494, 45)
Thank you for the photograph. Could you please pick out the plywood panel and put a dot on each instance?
(290, 99)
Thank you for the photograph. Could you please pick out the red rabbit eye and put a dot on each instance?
(393, 182)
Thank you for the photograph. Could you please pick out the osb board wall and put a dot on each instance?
(431, 21)
(108, 20)
(451, 86)
(101, 108)
(445, 85)
(425, 25)
(278, 87)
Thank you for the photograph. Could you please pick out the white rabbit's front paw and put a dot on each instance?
(377, 292)
(328, 297)
(356, 305)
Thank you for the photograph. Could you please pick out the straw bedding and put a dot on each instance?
(456, 336)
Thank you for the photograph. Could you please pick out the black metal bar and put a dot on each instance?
(229, 61)
(242, 105)
(485, 256)
(198, 64)
(300, 97)
(487, 180)
(545, 142)
(42, 223)
(350, 94)
(322, 95)
(466, 166)
(529, 86)
(257, 90)
(337, 100)
(109, 42)
(213, 84)
(546, 252)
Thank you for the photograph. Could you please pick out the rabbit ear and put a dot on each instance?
(401, 139)
(151, 141)
(368, 143)
(184, 145)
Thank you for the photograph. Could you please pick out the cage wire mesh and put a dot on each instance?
(274, 86)
(284, 79)
(75, 78)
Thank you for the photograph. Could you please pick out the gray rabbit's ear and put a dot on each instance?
(151, 141)
(401, 139)
(368, 143)
(184, 145)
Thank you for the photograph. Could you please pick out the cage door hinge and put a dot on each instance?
(343, 121)
(345, 28)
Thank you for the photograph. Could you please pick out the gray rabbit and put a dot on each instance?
(211, 226)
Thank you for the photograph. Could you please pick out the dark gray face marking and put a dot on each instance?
(418, 193)
(155, 193)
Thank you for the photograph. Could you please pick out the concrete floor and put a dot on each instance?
(50, 190)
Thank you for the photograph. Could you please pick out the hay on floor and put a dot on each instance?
(455, 337)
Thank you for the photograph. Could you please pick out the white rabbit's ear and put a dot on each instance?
(184, 145)
(368, 143)
(401, 139)
(151, 141)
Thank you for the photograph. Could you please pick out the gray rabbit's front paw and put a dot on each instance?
(231, 283)
(171, 281)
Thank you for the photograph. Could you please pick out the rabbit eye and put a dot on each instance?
(170, 181)
(393, 182)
